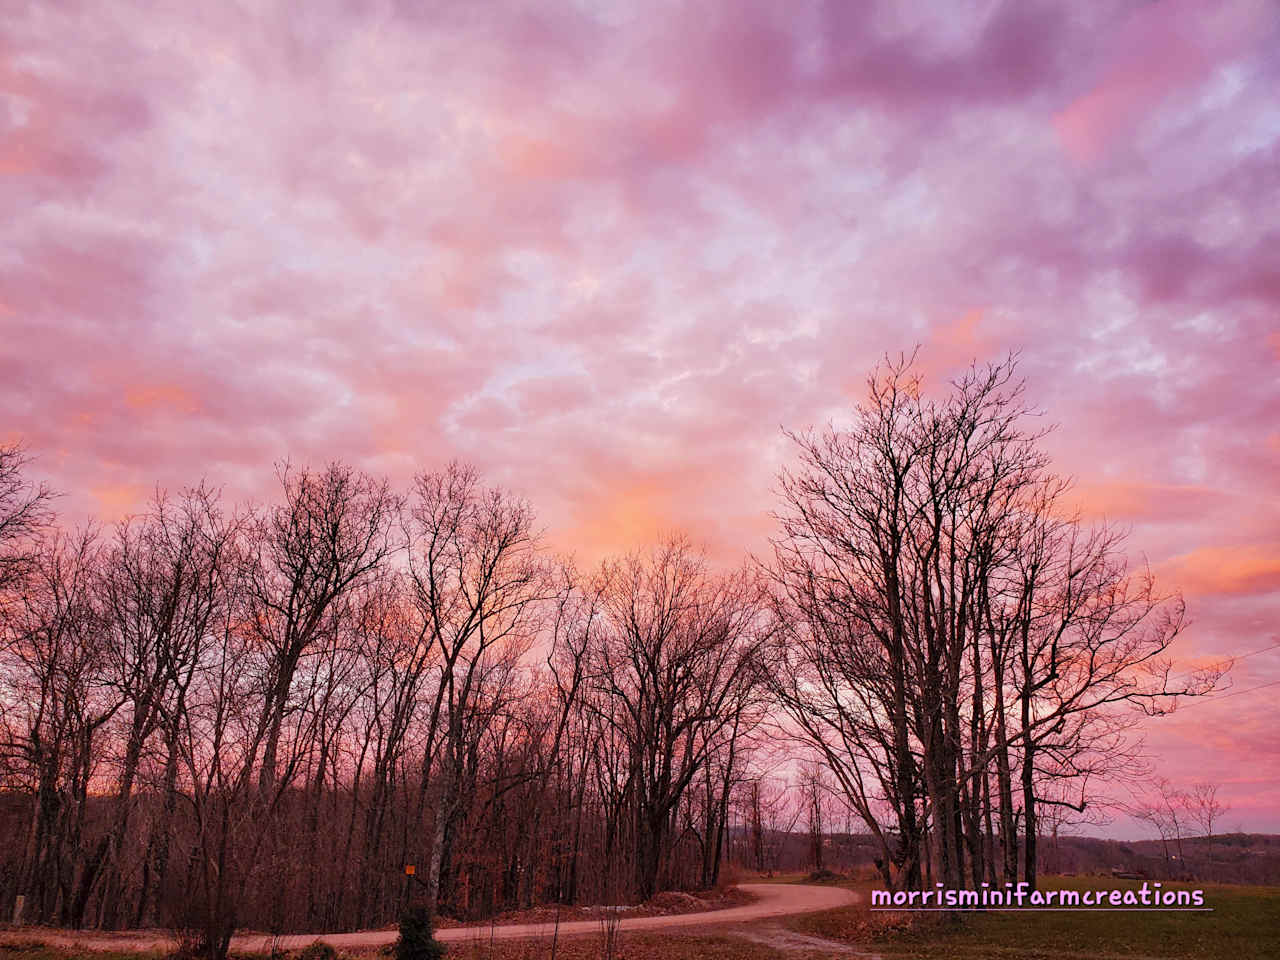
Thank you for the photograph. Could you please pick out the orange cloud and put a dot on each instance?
(1112, 500)
(537, 159)
(961, 334)
(947, 347)
(622, 519)
(117, 500)
(1137, 500)
(161, 396)
(954, 345)
(1244, 569)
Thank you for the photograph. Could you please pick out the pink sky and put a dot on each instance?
(605, 251)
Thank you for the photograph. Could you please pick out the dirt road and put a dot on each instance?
(772, 900)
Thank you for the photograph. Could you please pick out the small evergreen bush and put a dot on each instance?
(417, 936)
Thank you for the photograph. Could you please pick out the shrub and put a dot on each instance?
(318, 951)
(824, 876)
(417, 936)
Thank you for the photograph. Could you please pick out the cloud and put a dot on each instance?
(1134, 500)
(607, 251)
(1237, 569)
(1162, 48)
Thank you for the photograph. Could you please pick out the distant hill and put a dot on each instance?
(1223, 858)
(1249, 858)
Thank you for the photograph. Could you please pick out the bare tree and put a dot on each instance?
(25, 514)
(158, 593)
(397, 660)
(676, 657)
(331, 531)
(1091, 641)
(477, 581)
(56, 704)
(1165, 808)
(891, 532)
(1173, 813)
(942, 613)
(813, 788)
(1205, 807)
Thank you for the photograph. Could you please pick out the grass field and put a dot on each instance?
(1244, 925)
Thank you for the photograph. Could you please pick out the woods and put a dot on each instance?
(218, 715)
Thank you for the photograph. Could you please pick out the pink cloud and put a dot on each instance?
(607, 252)
(1162, 48)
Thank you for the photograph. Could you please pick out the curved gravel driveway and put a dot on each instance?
(772, 900)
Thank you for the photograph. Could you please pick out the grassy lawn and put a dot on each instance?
(35, 950)
(1244, 925)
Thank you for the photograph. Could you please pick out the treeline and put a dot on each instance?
(217, 715)
(259, 716)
